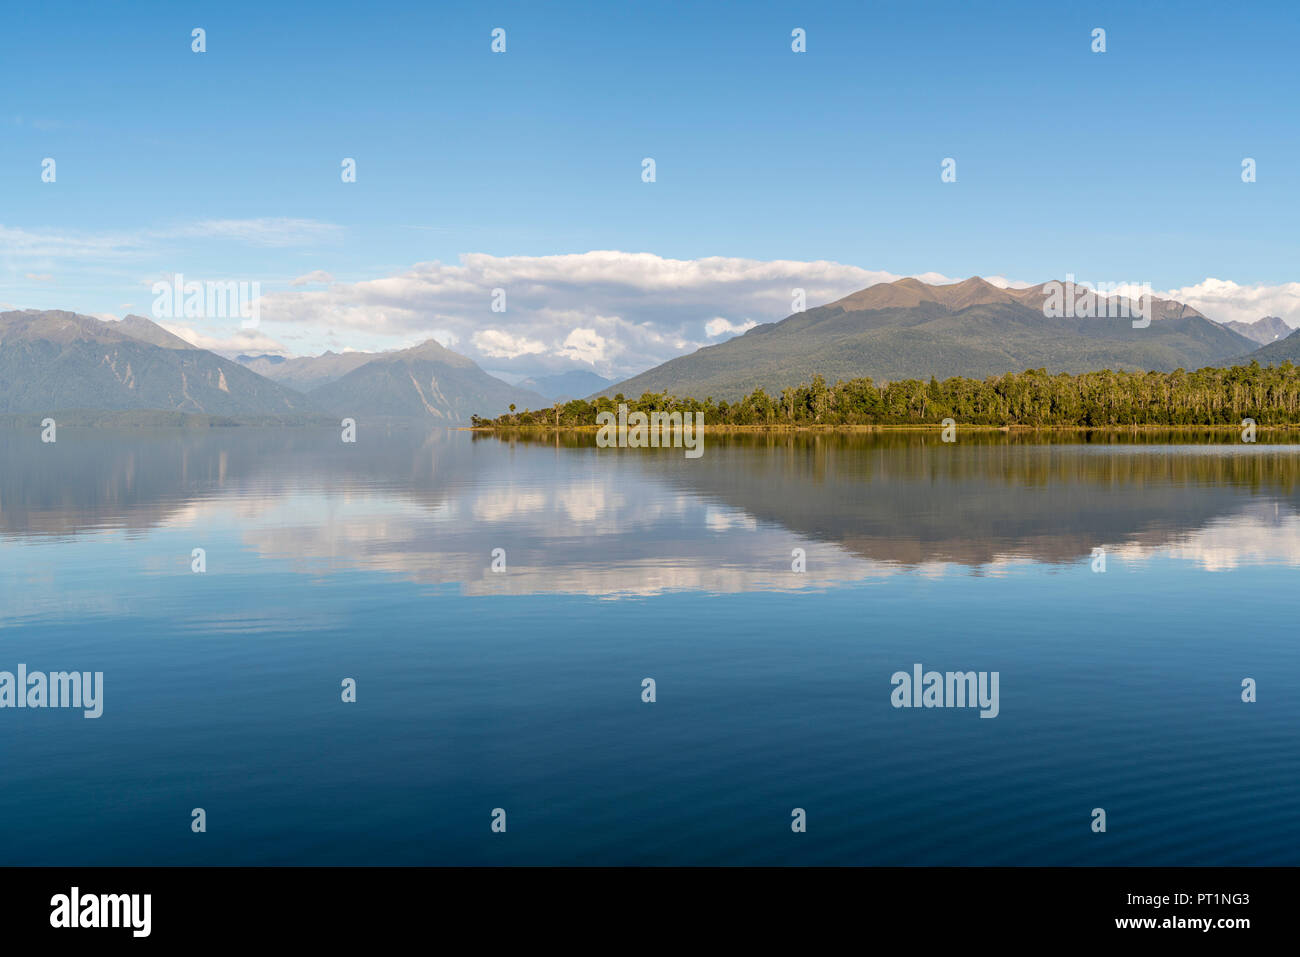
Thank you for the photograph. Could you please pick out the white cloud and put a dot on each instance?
(42, 277)
(496, 344)
(619, 312)
(585, 345)
(239, 341)
(26, 244)
(266, 231)
(40, 246)
(318, 276)
(1002, 282)
(717, 326)
(1226, 301)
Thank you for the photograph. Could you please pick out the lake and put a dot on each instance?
(521, 688)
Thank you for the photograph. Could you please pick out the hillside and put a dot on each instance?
(1275, 353)
(57, 360)
(146, 330)
(909, 329)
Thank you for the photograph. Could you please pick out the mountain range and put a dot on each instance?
(913, 330)
(1266, 330)
(57, 361)
(307, 372)
(54, 361)
(576, 384)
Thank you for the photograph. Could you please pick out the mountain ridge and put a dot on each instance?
(53, 359)
(909, 329)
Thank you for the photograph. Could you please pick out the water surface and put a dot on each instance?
(522, 690)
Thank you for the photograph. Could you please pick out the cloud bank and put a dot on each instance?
(617, 313)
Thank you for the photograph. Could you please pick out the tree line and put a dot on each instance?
(1211, 396)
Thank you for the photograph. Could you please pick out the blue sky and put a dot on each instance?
(1121, 166)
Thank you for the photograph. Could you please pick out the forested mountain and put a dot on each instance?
(1275, 353)
(1209, 396)
(909, 329)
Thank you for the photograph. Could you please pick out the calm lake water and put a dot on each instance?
(521, 690)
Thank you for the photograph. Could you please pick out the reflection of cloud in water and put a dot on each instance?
(499, 505)
(576, 521)
(1260, 535)
(719, 520)
(620, 549)
(637, 544)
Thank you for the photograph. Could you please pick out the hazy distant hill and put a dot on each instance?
(577, 384)
(908, 329)
(307, 372)
(427, 381)
(1266, 330)
(60, 360)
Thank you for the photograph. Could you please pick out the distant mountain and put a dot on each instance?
(909, 329)
(426, 381)
(577, 384)
(307, 372)
(1275, 353)
(1266, 330)
(52, 361)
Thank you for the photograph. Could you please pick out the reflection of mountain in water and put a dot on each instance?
(912, 499)
(92, 479)
(430, 506)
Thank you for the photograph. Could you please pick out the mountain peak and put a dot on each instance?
(431, 350)
(970, 292)
(1265, 330)
(910, 292)
(146, 330)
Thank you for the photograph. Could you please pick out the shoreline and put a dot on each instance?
(926, 427)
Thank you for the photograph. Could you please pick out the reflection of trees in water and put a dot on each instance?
(909, 497)
(895, 496)
(1022, 458)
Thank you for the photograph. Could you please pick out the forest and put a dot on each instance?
(1270, 395)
